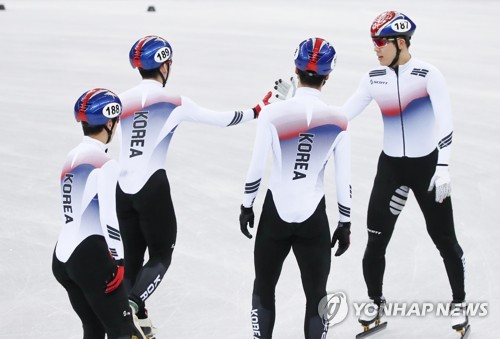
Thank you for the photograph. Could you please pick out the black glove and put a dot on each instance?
(342, 234)
(246, 217)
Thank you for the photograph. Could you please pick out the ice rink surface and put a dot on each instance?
(226, 56)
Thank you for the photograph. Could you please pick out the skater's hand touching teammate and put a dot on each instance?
(260, 105)
(282, 90)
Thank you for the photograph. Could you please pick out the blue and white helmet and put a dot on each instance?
(150, 52)
(392, 24)
(97, 107)
(315, 55)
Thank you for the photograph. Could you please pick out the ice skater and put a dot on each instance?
(88, 256)
(303, 134)
(144, 204)
(413, 98)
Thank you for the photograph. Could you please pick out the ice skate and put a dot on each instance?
(460, 319)
(137, 323)
(370, 318)
(148, 328)
(140, 333)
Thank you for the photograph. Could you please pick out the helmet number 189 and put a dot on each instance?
(162, 55)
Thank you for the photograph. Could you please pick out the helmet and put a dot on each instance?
(150, 52)
(392, 24)
(97, 107)
(315, 55)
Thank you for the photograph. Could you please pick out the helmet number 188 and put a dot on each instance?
(112, 110)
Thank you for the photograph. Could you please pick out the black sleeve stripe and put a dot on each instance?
(238, 116)
(344, 210)
(113, 251)
(113, 233)
(255, 183)
(345, 214)
(252, 187)
(446, 141)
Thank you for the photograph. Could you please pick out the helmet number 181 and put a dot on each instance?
(401, 26)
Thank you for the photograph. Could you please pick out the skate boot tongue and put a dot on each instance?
(133, 306)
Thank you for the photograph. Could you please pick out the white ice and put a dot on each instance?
(227, 54)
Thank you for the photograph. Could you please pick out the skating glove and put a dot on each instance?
(285, 89)
(260, 105)
(246, 218)
(116, 278)
(441, 182)
(342, 234)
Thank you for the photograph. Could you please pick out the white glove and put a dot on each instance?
(442, 182)
(285, 89)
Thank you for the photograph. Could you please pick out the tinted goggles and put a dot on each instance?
(382, 42)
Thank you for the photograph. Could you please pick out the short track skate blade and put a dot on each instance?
(464, 334)
(372, 330)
